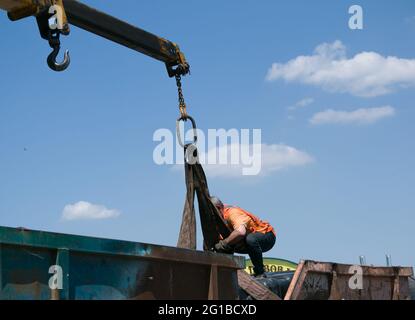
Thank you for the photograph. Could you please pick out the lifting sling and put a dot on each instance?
(213, 226)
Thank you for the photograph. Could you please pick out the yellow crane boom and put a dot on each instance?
(54, 17)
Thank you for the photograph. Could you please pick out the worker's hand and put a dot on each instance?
(223, 247)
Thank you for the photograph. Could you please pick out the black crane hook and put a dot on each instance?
(55, 44)
(55, 65)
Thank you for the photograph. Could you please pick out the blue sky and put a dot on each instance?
(87, 134)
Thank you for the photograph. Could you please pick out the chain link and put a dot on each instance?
(182, 104)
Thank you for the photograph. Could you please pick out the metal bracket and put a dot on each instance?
(53, 35)
(180, 67)
(42, 19)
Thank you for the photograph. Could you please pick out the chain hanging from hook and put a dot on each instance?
(183, 114)
(182, 104)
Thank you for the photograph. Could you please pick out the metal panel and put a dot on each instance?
(119, 247)
(62, 260)
(25, 272)
(96, 268)
(325, 280)
(13, 4)
(1, 270)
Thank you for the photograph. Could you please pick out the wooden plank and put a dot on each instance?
(257, 290)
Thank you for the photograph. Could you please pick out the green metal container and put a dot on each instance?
(43, 265)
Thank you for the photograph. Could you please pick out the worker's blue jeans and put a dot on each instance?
(255, 244)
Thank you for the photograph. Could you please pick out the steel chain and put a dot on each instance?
(182, 104)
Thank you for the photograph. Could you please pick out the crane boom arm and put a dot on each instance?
(102, 24)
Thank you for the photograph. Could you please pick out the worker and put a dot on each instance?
(249, 235)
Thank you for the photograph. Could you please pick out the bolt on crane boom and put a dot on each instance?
(65, 12)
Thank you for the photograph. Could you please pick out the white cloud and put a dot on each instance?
(83, 210)
(260, 160)
(359, 116)
(301, 104)
(367, 74)
(277, 157)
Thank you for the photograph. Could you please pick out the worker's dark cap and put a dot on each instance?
(216, 201)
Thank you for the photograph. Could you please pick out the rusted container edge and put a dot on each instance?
(344, 269)
(50, 240)
(330, 268)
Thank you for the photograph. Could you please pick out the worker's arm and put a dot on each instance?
(227, 245)
(236, 236)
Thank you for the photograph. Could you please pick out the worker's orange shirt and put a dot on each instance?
(236, 217)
